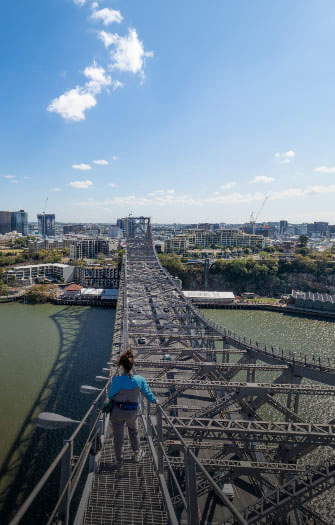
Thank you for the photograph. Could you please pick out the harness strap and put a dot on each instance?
(127, 405)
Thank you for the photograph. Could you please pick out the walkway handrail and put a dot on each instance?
(188, 453)
(67, 446)
(289, 357)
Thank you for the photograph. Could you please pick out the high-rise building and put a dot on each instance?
(73, 228)
(46, 224)
(20, 222)
(89, 248)
(5, 222)
(317, 229)
(14, 221)
(127, 226)
(283, 226)
(115, 232)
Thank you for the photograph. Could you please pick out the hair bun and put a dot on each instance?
(126, 360)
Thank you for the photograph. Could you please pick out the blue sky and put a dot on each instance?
(195, 111)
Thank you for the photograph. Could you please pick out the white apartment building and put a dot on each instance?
(208, 239)
(30, 273)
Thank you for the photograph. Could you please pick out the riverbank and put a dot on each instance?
(288, 309)
(110, 303)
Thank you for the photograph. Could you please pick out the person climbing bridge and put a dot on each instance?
(124, 394)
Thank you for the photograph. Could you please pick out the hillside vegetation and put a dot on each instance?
(268, 276)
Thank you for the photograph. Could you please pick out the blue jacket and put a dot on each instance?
(130, 382)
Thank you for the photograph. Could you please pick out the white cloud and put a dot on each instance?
(13, 181)
(285, 161)
(325, 169)
(162, 198)
(9, 176)
(73, 104)
(156, 192)
(112, 185)
(56, 189)
(116, 84)
(80, 2)
(97, 79)
(101, 162)
(290, 154)
(107, 15)
(261, 179)
(302, 192)
(107, 38)
(235, 198)
(228, 185)
(157, 198)
(128, 53)
(81, 184)
(114, 157)
(82, 167)
(287, 155)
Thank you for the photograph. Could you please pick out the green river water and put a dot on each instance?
(303, 335)
(48, 351)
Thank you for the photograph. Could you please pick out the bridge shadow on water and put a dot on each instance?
(85, 337)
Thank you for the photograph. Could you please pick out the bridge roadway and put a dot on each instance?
(183, 479)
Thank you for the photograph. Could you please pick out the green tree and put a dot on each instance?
(303, 241)
(4, 289)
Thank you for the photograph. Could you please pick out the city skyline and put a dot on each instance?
(184, 113)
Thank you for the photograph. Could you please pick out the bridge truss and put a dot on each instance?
(218, 377)
(211, 457)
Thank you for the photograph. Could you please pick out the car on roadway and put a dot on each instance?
(141, 340)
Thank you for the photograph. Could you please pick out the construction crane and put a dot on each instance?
(253, 217)
(43, 227)
(45, 205)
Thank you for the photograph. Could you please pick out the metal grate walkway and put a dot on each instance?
(128, 494)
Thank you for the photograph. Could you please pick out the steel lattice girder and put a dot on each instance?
(185, 350)
(233, 448)
(241, 467)
(301, 366)
(266, 431)
(142, 363)
(297, 491)
(172, 335)
(243, 388)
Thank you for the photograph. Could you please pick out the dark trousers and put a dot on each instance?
(118, 419)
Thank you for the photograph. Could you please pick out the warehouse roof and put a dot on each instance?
(195, 294)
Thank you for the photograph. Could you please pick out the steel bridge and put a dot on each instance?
(210, 457)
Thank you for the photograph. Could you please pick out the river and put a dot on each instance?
(46, 353)
(305, 335)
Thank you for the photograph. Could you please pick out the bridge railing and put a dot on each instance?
(309, 360)
(192, 466)
(71, 470)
